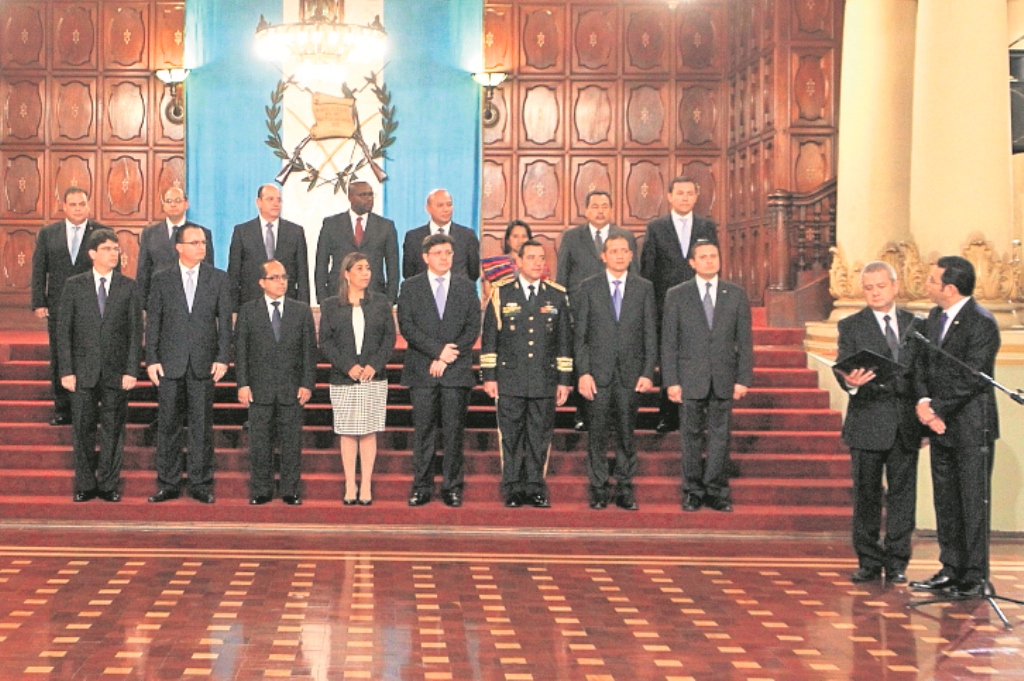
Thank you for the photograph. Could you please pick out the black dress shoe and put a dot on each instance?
(292, 499)
(940, 581)
(365, 502)
(598, 498)
(203, 497)
(539, 501)
(514, 500)
(452, 499)
(719, 504)
(419, 498)
(895, 576)
(165, 494)
(692, 503)
(865, 574)
(84, 496)
(626, 500)
(112, 496)
(969, 588)
(60, 420)
(260, 499)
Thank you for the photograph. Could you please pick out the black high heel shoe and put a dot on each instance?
(350, 502)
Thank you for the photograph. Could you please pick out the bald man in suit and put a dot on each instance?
(466, 246)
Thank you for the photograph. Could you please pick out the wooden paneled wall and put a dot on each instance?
(79, 105)
(625, 94)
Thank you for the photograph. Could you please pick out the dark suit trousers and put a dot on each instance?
(107, 408)
(959, 484)
(705, 421)
(900, 468)
(452, 403)
(263, 418)
(175, 395)
(613, 406)
(525, 425)
(61, 397)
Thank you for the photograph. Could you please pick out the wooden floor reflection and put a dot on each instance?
(106, 602)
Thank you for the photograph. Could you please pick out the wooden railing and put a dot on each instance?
(804, 229)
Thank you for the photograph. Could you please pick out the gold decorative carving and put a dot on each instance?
(995, 279)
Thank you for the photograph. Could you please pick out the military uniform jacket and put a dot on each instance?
(527, 346)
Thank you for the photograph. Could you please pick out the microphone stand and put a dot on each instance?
(988, 592)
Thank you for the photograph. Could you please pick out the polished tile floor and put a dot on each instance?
(157, 602)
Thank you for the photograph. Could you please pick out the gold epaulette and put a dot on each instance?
(503, 281)
(564, 364)
(488, 360)
(496, 303)
(555, 285)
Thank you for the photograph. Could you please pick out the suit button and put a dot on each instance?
(531, 330)
(531, 319)
(530, 355)
(530, 343)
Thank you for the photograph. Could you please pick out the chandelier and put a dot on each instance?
(321, 44)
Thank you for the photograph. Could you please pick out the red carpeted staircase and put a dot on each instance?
(793, 468)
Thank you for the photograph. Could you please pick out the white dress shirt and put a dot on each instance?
(446, 228)
(684, 230)
(702, 288)
(69, 229)
(611, 283)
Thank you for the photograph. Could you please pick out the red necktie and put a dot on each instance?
(359, 231)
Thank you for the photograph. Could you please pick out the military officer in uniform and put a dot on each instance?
(527, 368)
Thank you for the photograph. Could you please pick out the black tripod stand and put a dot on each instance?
(988, 592)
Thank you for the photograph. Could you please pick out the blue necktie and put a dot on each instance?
(943, 319)
(440, 297)
(102, 295)
(76, 242)
(268, 242)
(617, 299)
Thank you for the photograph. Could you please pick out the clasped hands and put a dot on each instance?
(928, 417)
(449, 354)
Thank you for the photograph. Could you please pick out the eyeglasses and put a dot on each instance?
(276, 277)
(174, 201)
(197, 243)
(109, 249)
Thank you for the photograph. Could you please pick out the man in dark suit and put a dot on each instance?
(99, 339)
(579, 257)
(960, 412)
(188, 345)
(466, 256)
(267, 237)
(665, 259)
(59, 255)
(156, 244)
(357, 230)
(616, 352)
(526, 361)
(275, 367)
(707, 362)
(439, 316)
(881, 428)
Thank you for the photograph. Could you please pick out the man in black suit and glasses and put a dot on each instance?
(881, 428)
(99, 338)
(188, 346)
(357, 229)
(275, 368)
(665, 260)
(959, 411)
(156, 244)
(59, 255)
(439, 316)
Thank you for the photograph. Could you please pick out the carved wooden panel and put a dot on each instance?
(705, 174)
(23, 37)
(596, 36)
(499, 41)
(540, 188)
(810, 88)
(698, 38)
(698, 115)
(812, 17)
(128, 240)
(541, 115)
(70, 169)
(645, 189)
(74, 36)
(123, 186)
(646, 119)
(494, 203)
(593, 114)
(168, 171)
(589, 174)
(125, 35)
(23, 110)
(647, 39)
(22, 185)
(16, 249)
(73, 118)
(500, 135)
(811, 167)
(542, 36)
(169, 40)
(125, 102)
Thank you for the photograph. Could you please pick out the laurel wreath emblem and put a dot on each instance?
(311, 175)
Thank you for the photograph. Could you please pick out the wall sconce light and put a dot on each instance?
(175, 109)
(490, 80)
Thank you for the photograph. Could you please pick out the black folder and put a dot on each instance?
(885, 369)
